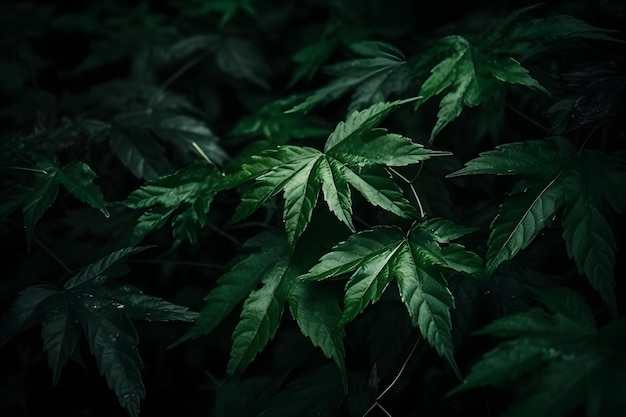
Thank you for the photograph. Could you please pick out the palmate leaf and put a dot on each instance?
(555, 176)
(273, 266)
(76, 177)
(568, 363)
(381, 72)
(184, 196)
(353, 155)
(234, 286)
(102, 310)
(375, 257)
(469, 73)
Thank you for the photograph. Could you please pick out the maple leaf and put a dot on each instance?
(558, 353)
(353, 155)
(184, 196)
(377, 256)
(89, 303)
(554, 176)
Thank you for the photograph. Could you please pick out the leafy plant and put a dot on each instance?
(357, 209)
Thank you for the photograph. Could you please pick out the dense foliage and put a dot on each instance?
(317, 208)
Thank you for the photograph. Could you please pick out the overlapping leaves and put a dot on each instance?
(554, 176)
(353, 156)
(557, 359)
(469, 73)
(39, 194)
(380, 72)
(90, 303)
(415, 260)
(184, 197)
(265, 280)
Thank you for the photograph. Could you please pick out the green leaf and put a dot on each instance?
(508, 361)
(259, 320)
(90, 303)
(60, 333)
(379, 255)
(380, 190)
(241, 59)
(40, 197)
(139, 152)
(428, 300)
(101, 270)
(377, 147)
(522, 217)
(313, 394)
(233, 287)
(113, 342)
(373, 78)
(359, 122)
(78, 178)
(301, 171)
(587, 234)
(317, 313)
(555, 176)
(185, 196)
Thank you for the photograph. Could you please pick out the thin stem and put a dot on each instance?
(527, 118)
(413, 190)
(387, 413)
(38, 171)
(183, 69)
(250, 224)
(52, 255)
(589, 135)
(399, 374)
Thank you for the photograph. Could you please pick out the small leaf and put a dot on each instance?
(99, 271)
(77, 178)
(359, 122)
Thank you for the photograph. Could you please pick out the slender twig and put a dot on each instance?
(393, 382)
(52, 255)
(184, 69)
(527, 118)
(224, 234)
(387, 413)
(589, 135)
(38, 171)
(401, 371)
(413, 190)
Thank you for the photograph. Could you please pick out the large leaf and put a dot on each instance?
(468, 74)
(555, 176)
(103, 311)
(375, 257)
(381, 72)
(354, 145)
(234, 286)
(566, 365)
